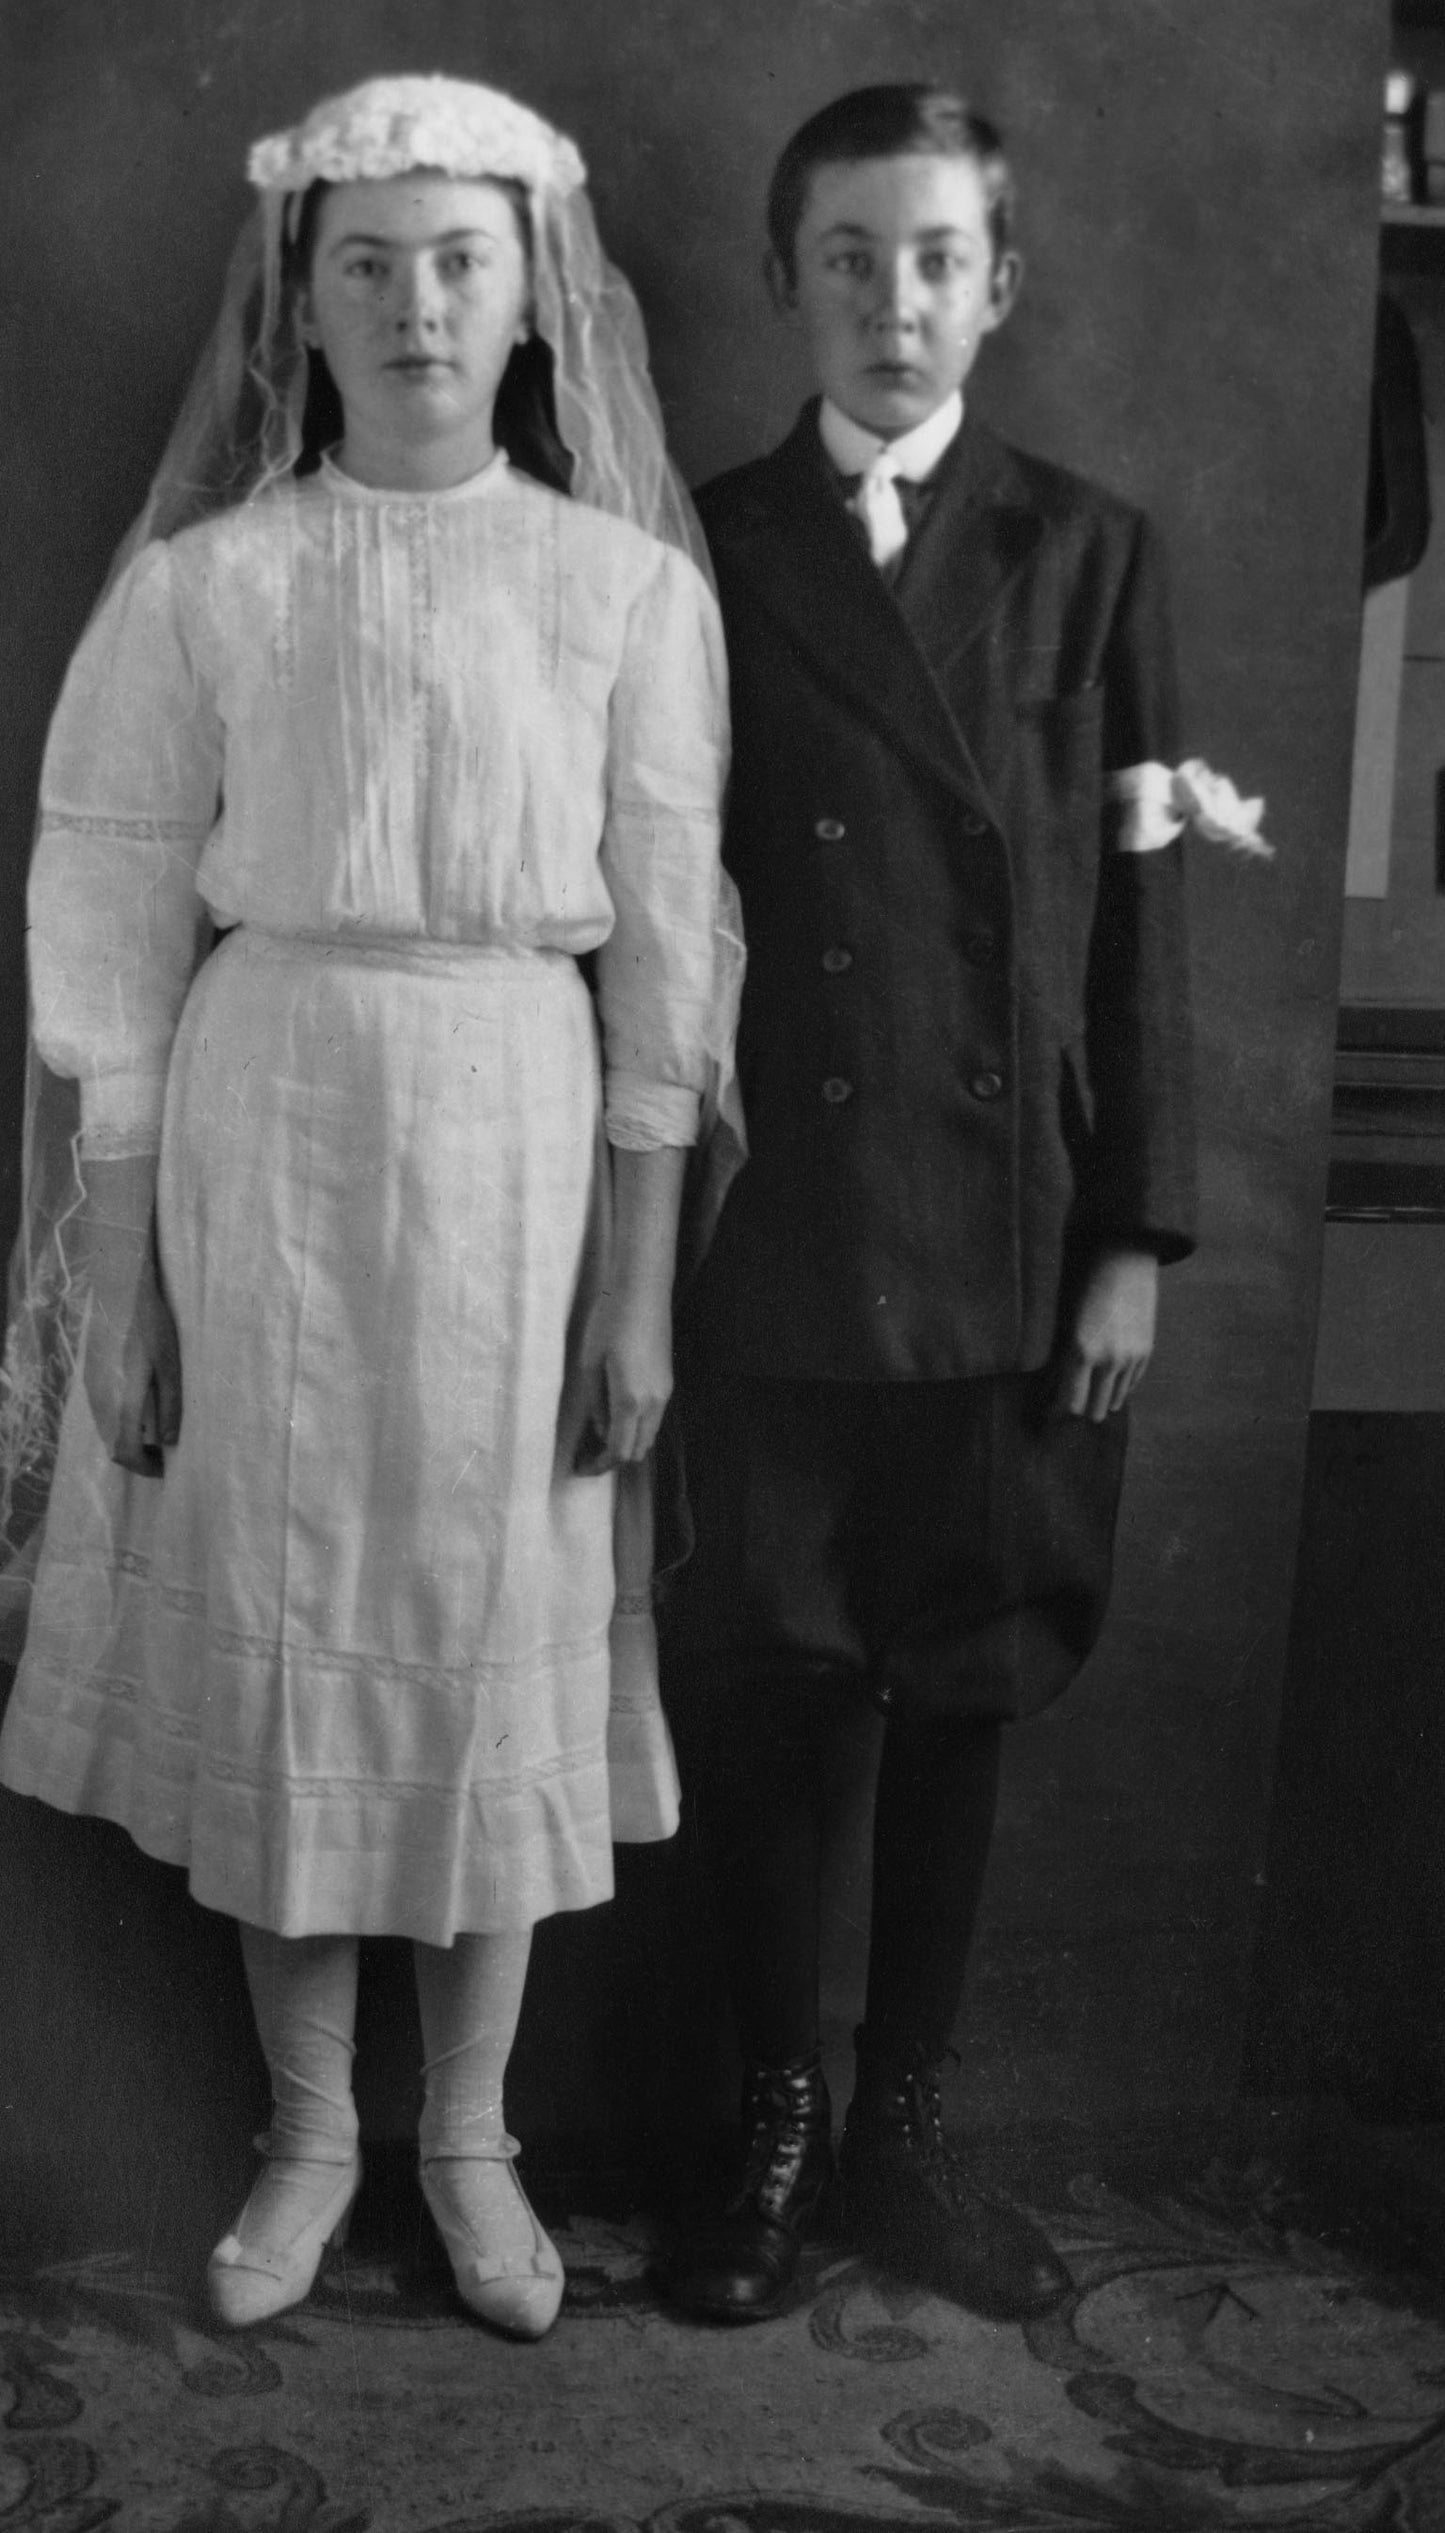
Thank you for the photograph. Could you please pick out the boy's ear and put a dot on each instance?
(782, 290)
(1006, 282)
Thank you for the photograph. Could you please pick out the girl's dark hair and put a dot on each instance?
(908, 120)
(524, 418)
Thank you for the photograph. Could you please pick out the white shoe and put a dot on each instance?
(516, 2291)
(263, 2268)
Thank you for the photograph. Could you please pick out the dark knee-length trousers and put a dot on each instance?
(949, 1544)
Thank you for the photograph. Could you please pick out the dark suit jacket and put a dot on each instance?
(964, 1051)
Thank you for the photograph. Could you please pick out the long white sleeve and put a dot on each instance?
(667, 759)
(129, 793)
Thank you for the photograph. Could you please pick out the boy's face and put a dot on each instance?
(896, 285)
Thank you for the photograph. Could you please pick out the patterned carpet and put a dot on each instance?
(1222, 2364)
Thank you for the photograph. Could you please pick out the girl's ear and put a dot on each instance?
(782, 289)
(305, 320)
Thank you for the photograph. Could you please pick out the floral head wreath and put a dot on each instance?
(240, 430)
(386, 127)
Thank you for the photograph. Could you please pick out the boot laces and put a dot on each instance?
(924, 2100)
(915, 2098)
(783, 2113)
(939, 2158)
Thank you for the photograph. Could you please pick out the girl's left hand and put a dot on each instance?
(627, 1366)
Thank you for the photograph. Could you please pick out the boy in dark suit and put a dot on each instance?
(963, 1056)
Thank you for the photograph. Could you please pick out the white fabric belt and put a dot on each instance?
(416, 951)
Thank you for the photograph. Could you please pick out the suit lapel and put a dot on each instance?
(805, 564)
(810, 570)
(979, 531)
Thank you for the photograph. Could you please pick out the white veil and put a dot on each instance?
(240, 426)
(241, 429)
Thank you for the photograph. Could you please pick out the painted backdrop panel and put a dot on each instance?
(1198, 182)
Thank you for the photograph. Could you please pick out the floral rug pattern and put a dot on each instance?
(1215, 2368)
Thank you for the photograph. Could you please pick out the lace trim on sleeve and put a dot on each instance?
(103, 1142)
(74, 822)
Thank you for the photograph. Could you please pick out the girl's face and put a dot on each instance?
(418, 292)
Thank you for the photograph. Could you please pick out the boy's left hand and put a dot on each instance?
(1113, 1337)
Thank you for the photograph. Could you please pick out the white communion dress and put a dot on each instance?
(412, 755)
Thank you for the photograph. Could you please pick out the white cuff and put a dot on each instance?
(120, 1114)
(642, 1115)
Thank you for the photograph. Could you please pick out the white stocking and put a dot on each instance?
(470, 1995)
(303, 1995)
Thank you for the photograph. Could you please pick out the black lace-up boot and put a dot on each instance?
(908, 2200)
(737, 2263)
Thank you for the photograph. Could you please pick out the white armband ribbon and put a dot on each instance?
(1160, 801)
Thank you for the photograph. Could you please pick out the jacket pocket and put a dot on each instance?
(1072, 704)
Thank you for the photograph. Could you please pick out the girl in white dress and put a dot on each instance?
(325, 1604)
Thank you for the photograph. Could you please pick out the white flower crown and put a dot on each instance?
(387, 127)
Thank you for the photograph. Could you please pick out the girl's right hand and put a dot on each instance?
(132, 1367)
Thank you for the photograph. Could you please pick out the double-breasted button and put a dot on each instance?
(837, 961)
(986, 1085)
(836, 1090)
(830, 830)
(973, 825)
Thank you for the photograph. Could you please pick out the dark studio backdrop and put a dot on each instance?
(1199, 183)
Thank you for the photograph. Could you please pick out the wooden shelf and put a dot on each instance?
(1412, 240)
(1387, 1149)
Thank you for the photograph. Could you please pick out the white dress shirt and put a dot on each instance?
(879, 463)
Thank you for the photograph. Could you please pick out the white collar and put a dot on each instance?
(914, 455)
(334, 476)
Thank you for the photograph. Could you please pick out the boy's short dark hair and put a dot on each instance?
(911, 119)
